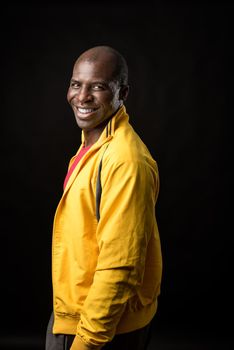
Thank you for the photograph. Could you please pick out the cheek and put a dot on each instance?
(115, 101)
(111, 101)
(70, 95)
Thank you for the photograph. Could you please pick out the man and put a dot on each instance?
(106, 255)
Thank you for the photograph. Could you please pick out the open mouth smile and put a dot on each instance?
(86, 110)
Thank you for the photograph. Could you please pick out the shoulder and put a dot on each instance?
(127, 152)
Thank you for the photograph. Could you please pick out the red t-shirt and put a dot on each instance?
(74, 164)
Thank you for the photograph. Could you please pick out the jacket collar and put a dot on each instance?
(106, 135)
(110, 128)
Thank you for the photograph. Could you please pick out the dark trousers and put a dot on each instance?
(136, 340)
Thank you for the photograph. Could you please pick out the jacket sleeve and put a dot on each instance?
(127, 212)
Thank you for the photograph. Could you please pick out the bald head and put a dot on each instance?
(108, 56)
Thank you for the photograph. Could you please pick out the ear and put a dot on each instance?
(123, 92)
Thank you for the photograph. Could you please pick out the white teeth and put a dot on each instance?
(85, 110)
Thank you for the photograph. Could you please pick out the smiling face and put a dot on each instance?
(93, 93)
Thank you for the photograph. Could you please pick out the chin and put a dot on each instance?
(85, 124)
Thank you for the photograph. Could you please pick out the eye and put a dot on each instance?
(98, 87)
(75, 84)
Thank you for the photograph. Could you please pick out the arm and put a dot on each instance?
(123, 232)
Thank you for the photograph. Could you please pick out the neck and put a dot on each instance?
(91, 136)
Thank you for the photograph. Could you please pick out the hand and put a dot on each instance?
(79, 345)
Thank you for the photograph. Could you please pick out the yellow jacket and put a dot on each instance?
(107, 273)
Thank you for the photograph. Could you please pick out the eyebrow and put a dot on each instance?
(93, 82)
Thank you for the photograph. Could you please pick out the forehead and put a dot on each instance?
(93, 70)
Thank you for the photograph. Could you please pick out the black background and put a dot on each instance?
(179, 56)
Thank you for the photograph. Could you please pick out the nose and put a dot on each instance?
(84, 95)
